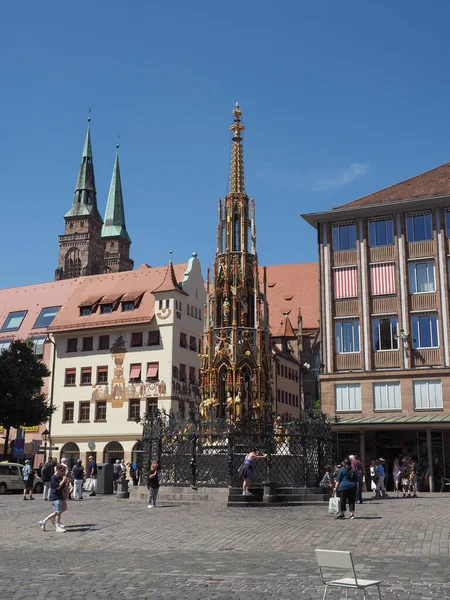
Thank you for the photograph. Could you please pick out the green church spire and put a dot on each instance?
(85, 196)
(114, 224)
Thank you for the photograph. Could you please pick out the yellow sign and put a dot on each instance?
(33, 429)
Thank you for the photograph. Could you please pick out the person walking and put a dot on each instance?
(92, 474)
(346, 486)
(117, 473)
(78, 474)
(46, 475)
(57, 483)
(396, 473)
(380, 492)
(28, 479)
(357, 467)
(246, 469)
(154, 476)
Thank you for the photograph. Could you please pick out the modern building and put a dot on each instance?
(126, 344)
(384, 302)
(89, 245)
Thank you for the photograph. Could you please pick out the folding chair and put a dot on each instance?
(336, 559)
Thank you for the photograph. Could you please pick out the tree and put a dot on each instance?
(21, 380)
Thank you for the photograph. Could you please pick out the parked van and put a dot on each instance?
(11, 479)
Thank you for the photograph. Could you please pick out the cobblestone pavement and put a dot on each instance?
(122, 549)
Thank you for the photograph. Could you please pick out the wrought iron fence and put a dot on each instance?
(192, 452)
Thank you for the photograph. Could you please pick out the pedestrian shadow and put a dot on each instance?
(81, 525)
(368, 518)
(73, 528)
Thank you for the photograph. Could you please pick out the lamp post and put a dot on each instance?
(52, 387)
(45, 435)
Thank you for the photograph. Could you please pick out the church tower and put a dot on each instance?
(81, 248)
(236, 344)
(114, 232)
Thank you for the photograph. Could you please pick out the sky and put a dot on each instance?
(339, 99)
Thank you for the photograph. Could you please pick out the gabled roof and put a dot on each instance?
(169, 283)
(290, 289)
(287, 331)
(138, 283)
(32, 298)
(431, 184)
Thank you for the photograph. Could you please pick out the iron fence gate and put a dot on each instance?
(193, 453)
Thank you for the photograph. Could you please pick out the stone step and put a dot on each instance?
(323, 505)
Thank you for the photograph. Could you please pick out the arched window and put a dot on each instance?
(236, 234)
(112, 452)
(70, 451)
(72, 264)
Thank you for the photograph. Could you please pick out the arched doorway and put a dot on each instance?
(137, 457)
(71, 452)
(113, 451)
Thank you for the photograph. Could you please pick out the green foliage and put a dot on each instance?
(21, 379)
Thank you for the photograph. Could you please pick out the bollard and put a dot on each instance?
(269, 495)
(122, 489)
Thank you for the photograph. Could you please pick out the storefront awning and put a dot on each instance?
(393, 420)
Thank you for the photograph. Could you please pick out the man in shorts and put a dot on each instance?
(57, 482)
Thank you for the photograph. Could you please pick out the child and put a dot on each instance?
(154, 476)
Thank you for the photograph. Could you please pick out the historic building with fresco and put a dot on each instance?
(384, 264)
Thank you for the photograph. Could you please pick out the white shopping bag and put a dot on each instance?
(334, 506)
(88, 485)
(373, 486)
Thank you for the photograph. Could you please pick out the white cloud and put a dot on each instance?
(324, 181)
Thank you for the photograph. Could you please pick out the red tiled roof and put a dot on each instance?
(140, 282)
(32, 298)
(292, 289)
(431, 184)
(169, 283)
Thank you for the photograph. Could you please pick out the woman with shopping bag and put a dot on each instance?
(346, 487)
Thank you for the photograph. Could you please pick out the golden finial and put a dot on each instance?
(237, 159)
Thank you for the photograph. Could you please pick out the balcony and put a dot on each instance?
(387, 359)
(350, 361)
(420, 249)
(425, 357)
(342, 258)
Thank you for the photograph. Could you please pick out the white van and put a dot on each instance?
(11, 479)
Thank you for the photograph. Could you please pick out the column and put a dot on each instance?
(430, 460)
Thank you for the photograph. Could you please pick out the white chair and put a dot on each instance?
(336, 559)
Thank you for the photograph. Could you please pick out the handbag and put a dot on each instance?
(334, 506)
(88, 484)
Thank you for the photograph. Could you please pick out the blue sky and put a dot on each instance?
(339, 100)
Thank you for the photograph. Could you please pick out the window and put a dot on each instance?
(5, 344)
(14, 320)
(152, 370)
(106, 309)
(182, 372)
(381, 232)
(278, 368)
(384, 330)
(424, 331)
(418, 227)
(136, 339)
(86, 376)
(85, 311)
(447, 222)
(421, 277)
(167, 303)
(85, 412)
(192, 378)
(348, 397)
(153, 338)
(38, 344)
(102, 375)
(347, 336)
(344, 236)
(68, 412)
(103, 342)
(160, 304)
(193, 343)
(345, 283)
(427, 394)
(135, 372)
(129, 305)
(134, 410)
(72, 344)
(382, 278)
(279, 395)
(100, 411)
(88, 344)
(386, 396)
(46, 316)
(70, 377)
(188, 309)
(183, 340)
(152, 406)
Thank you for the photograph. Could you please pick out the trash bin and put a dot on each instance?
(105, 472)
(122, 489)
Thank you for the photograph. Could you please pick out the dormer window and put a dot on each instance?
(89, 306)
(85, 311)
(129, 305)
(106, 309)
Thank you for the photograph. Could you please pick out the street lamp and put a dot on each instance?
(49, 339)
(45, 436)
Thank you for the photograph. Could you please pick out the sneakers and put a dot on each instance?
(60, 529)
(150, 506)
(25, 498)
(61, 525)
(92, 494)
(32, 498)
(42, 524)
(247, 494)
